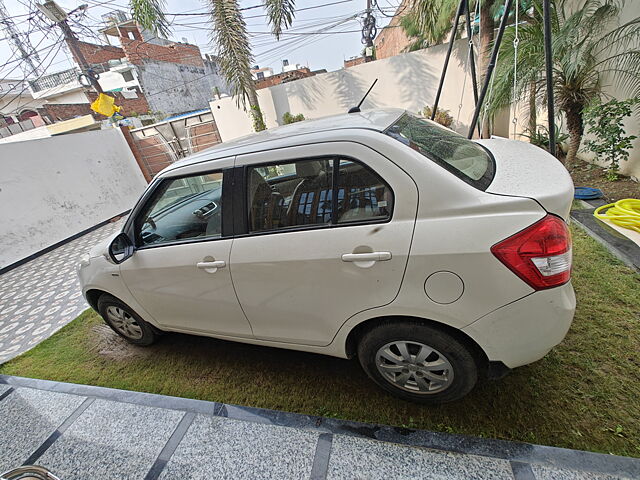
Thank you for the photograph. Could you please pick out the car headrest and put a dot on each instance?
(256, 181)
(308, 168)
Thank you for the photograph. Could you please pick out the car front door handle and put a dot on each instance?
(366, 257)
(211, 267)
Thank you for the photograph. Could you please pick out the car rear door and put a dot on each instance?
(302, 263)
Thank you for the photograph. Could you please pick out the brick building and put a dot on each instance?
(284, 77)
(353, 61)
(392, 40)
(146, 74)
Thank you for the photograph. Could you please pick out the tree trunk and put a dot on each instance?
(576, 129)
(254, 110)
(253, 98)
(533, 117)
(484, 51)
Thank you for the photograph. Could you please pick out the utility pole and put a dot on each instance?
(369, 32)
(21, 45)
(57, 15)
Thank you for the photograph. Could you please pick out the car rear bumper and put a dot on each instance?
(524, 331)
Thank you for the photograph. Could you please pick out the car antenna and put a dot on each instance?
(356, 109)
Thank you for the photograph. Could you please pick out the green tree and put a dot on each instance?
(417, 38)
(228, 31)
(591, 48)
(605, 122)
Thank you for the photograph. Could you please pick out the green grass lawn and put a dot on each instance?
(585, 394)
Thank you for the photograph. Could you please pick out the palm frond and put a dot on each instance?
(433, 18)
(587, 52)
(229, 36)
(150, 14)
(622, 36)
(280, 14)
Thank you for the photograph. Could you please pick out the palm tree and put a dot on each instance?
(590, 48)
(229, 36)
(433, 19)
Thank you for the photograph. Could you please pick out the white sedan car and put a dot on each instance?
(432, 258)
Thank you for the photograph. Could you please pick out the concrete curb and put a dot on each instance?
(620, 247)
(519, 454)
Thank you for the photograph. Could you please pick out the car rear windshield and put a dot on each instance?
(462, 157)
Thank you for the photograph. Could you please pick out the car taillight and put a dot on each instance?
(540, 254)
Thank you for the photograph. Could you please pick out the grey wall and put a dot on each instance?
(214, 78)
(53, 188)
(172, 88)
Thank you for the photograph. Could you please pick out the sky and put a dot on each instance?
(324, 33)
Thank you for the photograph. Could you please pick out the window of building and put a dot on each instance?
(260, 75)
(302, 194)
(127, 76)
(181, 209)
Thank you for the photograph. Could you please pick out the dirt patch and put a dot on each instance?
(588, 175)
(109, 344)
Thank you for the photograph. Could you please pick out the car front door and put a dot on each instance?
(328, 233)
(179, 272)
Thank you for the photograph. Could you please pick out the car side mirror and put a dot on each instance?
(121, 248)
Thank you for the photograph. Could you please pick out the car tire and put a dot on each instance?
(125, 322)
(404, 358)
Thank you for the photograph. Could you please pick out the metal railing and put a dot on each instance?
(165, 142)
(55, 79)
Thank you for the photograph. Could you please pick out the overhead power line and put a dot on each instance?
(21, 45)
(59, 44)
(199, 14)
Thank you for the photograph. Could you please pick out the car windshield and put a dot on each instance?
(462, 157)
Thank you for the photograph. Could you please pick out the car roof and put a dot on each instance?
(286, 135)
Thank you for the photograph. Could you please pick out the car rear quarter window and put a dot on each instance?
(464, 158)
(362, 194)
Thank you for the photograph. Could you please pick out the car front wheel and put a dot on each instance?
(418, 362)
(125, 322)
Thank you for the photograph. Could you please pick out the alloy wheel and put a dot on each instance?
(124, 322)
(414, 367)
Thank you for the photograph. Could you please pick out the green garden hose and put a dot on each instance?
(624, 213)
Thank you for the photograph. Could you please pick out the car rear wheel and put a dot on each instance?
(417, 362)
(125, 322)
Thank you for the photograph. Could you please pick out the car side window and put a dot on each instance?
(291, 194)
(362, 194)
(182, 208)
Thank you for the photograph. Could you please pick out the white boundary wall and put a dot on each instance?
(407, 81)
(53, 188)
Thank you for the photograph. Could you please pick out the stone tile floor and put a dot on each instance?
(43, 295)
(81, 432)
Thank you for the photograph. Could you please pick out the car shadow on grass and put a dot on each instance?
(519, 406)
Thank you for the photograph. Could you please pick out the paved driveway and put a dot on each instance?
(81, 432)
(43, 295)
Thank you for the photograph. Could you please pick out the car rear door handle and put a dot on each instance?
(211, 267)
(366, 257)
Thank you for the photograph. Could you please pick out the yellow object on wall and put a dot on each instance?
(105, 105)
